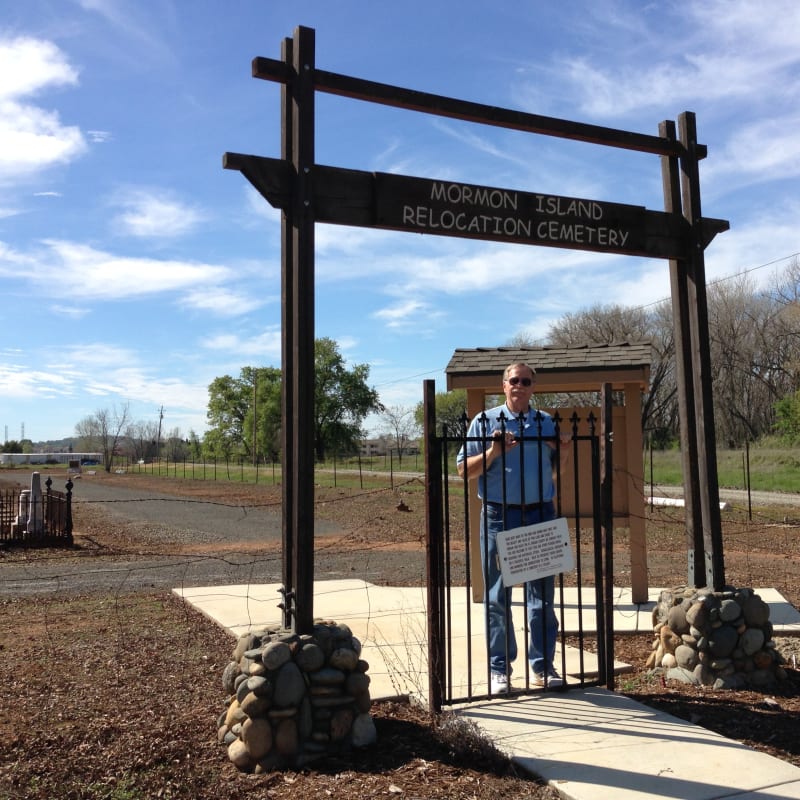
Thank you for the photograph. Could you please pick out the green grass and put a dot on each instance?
(770, 469)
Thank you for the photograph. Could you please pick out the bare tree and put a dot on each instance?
(755, 353)
(401, 427)
(103, 430)
(609, 324)
(754, 357)
(142, 439)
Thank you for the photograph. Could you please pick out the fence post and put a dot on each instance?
(435, 550)
(68, 526)
(747, 479)
(607, 523)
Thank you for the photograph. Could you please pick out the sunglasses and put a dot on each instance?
(514, 380)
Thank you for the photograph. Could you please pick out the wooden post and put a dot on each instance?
(607, 526)
(703, 398)
(287, 357)
(301, 467)
(684, 373)
(636, 519)
(434, 544)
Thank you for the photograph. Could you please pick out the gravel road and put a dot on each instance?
(181, 519)
(220, 544)
(216, 544)
(737, 497)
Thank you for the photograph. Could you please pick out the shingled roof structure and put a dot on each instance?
(558, 369)
(625, 366)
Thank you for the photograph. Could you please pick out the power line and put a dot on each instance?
(746, 271)
(410, 377)
(728, 277)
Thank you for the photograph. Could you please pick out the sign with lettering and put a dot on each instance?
(447, 208)
(534, 551)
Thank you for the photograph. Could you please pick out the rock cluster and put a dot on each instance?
(294, 698)
(719, 639)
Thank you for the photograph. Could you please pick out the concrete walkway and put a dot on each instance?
(588, 743)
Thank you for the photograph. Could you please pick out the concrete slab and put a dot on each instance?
(593, 744)
(390, 621)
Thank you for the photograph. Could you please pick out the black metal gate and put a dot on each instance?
(459, 669)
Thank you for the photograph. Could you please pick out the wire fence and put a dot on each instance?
(345, 470)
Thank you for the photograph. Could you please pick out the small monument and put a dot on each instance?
(36, 507)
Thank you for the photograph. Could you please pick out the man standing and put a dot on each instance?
(510, 449)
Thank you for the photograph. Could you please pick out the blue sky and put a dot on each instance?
(136, 270)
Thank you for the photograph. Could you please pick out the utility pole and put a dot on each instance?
(158, 441)
(255, 417)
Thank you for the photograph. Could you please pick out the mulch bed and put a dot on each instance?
(117, 695)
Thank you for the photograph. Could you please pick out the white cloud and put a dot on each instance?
(406, 314)
(33, 138)
(72, 312)
(765, 237)
(22, 382)
(99, 137)
(29, 65)
(764, 150)
(730, 49)
(114, 375)
(265, 346)
(154, 214)
(221, 302)
(98, 275)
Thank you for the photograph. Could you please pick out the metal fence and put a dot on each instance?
(36, 521)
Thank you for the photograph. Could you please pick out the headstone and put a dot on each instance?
(36, 509)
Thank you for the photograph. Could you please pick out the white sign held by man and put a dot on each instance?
(534, 551)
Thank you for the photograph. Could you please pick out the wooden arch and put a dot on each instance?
(307, 192)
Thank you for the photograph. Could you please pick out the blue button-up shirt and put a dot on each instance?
(531, 459)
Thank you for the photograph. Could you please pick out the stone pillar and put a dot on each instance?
(293, 698)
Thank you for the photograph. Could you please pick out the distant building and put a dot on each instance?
(36, 459)
(383, 444)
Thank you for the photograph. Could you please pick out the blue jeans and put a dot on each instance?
(539, 594)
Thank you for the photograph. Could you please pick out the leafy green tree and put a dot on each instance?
(787, 418)
(240, 407)
(342, 399)
(195, 445)
(451, 408)
(228, 404)
(451, 415)
(265, 390)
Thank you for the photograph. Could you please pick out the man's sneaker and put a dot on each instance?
(554, 680)
(499, 683)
